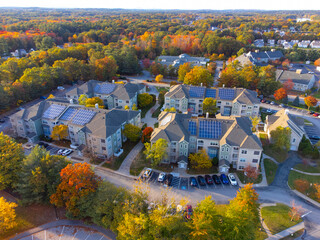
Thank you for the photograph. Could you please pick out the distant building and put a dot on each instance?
(113, 95)
(303, 19)
(19, 53)
(259, 58)
(271, 42)
(229, 139)
(230, 101)
(315, 44)
(302, 81)
(258, 43)
(176, 61)
(98, 129)
(304, 44)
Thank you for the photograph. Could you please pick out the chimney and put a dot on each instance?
(222, 85)
(207, 115)
(201, 84)
(257, 50)
(97, 106)
(273, 50)
(299, 71)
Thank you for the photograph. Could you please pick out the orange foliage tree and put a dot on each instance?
(146, 134)
(317, 62)
(280, 94)
(317, 193)
(251, 172)
(78, 181)
(310, 101)
(301, 185)
(295, 211)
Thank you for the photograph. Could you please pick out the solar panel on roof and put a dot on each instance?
(53, 111)
(192, 127)
(210, 93)
(105, 88)
(226, 94)
(68, 114)
(83, 116)
(209, 129)
(196, 92)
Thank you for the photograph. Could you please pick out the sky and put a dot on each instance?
(169, 4)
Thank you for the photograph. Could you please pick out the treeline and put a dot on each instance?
(30, 77)
(41, 178)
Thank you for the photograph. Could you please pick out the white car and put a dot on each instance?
(60, 151)
(60, 88)
(67, 152)
(232, 179)
(147, 173)
(161, 177)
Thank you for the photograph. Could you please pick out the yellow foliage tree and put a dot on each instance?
(7, 215)
(159, 78)
(91, 102)
(50, 96)
(126, 107)
(59, 132)
(200, 160)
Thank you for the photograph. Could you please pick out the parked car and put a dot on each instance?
(60, 151)
(2, 120)
(267, 102)
(224, 179)
(232, 179)
(43, 144)
(311, 112)
(60, 88)
(282, 105)
(316, 114)
(272, 103)
(189, 211)
(311, 72)
(314, 137)
(161, 177)
(147, 173)
(201, 180)
(168, 180)
(43, 97)
(67, 152)
(263, 101)
(193, 182)
(209, 179)
(216, 179)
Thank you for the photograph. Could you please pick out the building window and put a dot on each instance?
(222, 149)
(242, 160)
(293, 140)
(119, 101)
(256, 152)
(235, 148)
(103, 148)
(103, 141)
(244, 151)
(226, 157)
(127, 101)
(227, 149)
(241, 167)
(254, 160)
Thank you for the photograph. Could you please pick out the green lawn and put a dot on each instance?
(308, 168)
(295, 175)
(279, 155)
(159, 89)
(244, 179)
(317, 94)
(156, 125)
(156, 113)
(277, 218)
(271, 169)
(117, 161)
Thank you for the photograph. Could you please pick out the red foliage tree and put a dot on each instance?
(288, 85)
(310, 101)
(251, 172)
(280, 94)
(146, 134)
(301, 185)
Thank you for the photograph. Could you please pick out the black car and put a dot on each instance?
(42, 144)
(2, 120)
(315, 137)
(201, 180)
(168, 180)
(311, 112)
(209, 179)
(193, 182)
(216, 179)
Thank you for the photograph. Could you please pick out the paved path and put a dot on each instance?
(307, 173)
(262, 220)
(125, 166)
(271, 158)
(148, 119)
(287, 232)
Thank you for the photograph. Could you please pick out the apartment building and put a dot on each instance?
(113, 95)
(230, 139)
(176, 61)
(98, 129)
(230, 101)
(302, 80)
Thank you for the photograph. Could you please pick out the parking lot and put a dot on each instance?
(183, 183)
(312, 131)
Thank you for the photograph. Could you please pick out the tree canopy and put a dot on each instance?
(156, 152)
(132, 132)
(281, 137)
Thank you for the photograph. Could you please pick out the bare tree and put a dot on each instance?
(295, 211)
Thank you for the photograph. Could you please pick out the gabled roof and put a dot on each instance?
(284, 75)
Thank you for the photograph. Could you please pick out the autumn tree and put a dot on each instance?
(210, 106)
(50, 96)
(254, 121)
(317, 62)
(59, 132)
(11, 156)
(251, 172)
(91, 102)
(295, 211)
(7, 215)
(73, 69)
(39, 176)
(281, 138)
(197, 76)
(132, 132)
(317, 191)
(126, 107)
(105, 68)
(183, 70)
(159, 78)
(146, 134)
(156, 152)
(144, 99)
(134, 107)
(310, 101)
(288, 85)
(78, 183)
(301, 185)
(200, 160)
(280, 94)
(82, 99)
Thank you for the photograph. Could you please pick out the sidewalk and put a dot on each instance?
(307, 173)
(262, 220)
(125, 166)
(287, 232)
(148, 119)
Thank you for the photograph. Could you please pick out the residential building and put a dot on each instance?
(303, 19)
(304, 44)
(19, 53)
(302, 81)
(258, 43)
(230, 101)
(113, 95)
(228, 138)
(259, 58)
(98, 129)
(271, 42)
(284, 119)
(315, 44)
(176, 61)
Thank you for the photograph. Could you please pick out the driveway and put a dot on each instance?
(283, 171)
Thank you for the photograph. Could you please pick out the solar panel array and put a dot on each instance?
(196, 92)
(226, 94)
(210, 129)
(105, 88)
(210, 93)
(83, 116)
(69, 114)
(53, 111)
(192, 128)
